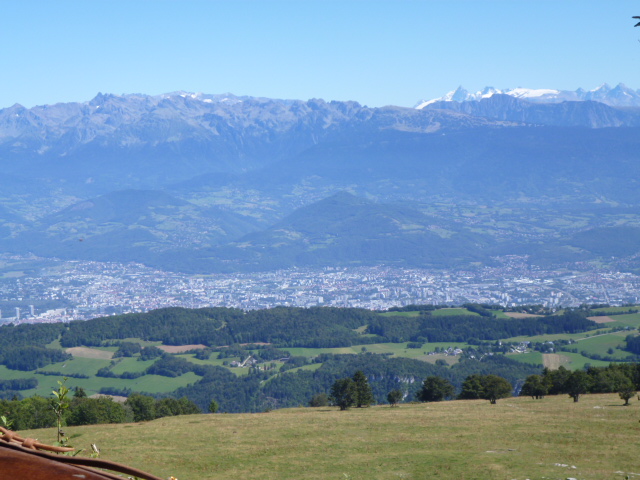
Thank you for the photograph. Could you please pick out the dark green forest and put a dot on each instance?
(280, 326)
(471, 329)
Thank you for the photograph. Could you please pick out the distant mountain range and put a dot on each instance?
(207, 183)
(618, 96)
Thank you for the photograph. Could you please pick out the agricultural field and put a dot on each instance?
(610, 342)
(575, 361)
(596, 347)
(518, 438)
(450, 312)
(92, 385)
(395, 349)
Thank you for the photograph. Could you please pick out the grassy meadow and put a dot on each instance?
(519, 438)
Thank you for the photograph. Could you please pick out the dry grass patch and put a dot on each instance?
(180, 348)
(553, 361)
(601, 319)
(521, 315)
(516, 439)
(86, 352)
(115, 398)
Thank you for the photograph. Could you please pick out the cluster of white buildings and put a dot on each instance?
(81, 290)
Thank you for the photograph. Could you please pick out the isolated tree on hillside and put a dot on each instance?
(213, 406)
(534, 387)
(319, 400)
(435, 389)
(496, 387)
(626, 390)
(487, 387)
(577, 384)
(343, 393)
(471, 388)
(364, 394)
(394, 397)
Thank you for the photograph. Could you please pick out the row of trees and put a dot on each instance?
(473, 329)
(623, 379)
(477, 386)
(349, 392)
(30, 357)
(355, 391)
(78, 409)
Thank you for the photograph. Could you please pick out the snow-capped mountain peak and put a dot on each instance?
(527, 93)
(619, 96)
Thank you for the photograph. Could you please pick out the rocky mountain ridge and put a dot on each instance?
(206, 183)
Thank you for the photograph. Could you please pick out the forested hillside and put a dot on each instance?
(281, 357)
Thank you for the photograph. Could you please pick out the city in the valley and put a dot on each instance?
(77, 290)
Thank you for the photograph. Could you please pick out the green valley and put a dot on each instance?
(281, 357)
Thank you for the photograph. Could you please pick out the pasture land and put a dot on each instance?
(533, 358)
(86, 352)
(180, 348)
(614, 309)
(77, 365)
(629, 320)
(521, 315)
(131, 364)
(448, 312)
(553, 361)
(518, 438)
(602, 343)
(577, 361)
(396, 349)
(400, 314)
(551, 337)
(93, 384)
(442, 312)
(602, 319)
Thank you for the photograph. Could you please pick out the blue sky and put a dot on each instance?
(375, 52)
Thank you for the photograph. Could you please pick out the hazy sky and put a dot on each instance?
(375, 52)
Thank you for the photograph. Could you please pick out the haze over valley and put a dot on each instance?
(218, 184)
(212, 183)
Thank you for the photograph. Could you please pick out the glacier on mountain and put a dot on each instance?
(619, 96)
